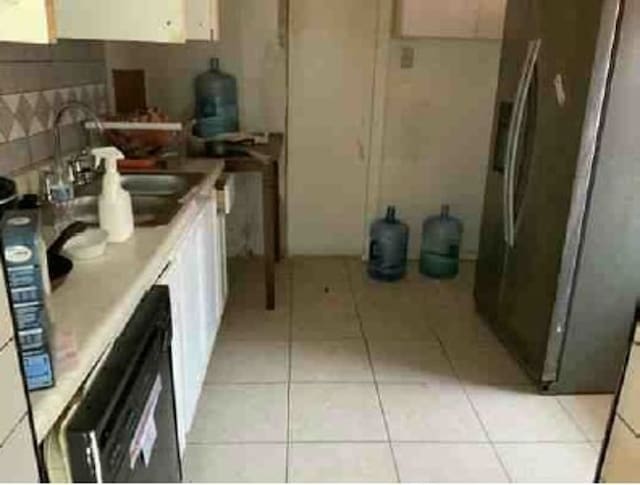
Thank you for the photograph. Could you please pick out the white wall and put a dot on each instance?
(332, 52)
(249, 49)
(437, 128)
(430, 132)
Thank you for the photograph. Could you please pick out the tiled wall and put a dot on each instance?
(34, 81)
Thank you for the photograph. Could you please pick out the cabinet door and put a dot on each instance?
(208, 286)
(137, 20)
(203, 20)
(17, 456)
(629, 406)
(30, 21)
(188, 352)
(221, 249)
(437, 18)
(216, 262)
(192, 279)
(621, 459)
(491, 19)
(13, 404)
(193, 317)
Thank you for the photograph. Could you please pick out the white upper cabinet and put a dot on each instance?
(169, 21)
(457, 19)
(17, 456)
(138, 20)
(491, 18)
(203, 19)
(30, 21)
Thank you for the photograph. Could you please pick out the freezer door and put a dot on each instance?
(520, 30)
(546, 168)
(607, 281)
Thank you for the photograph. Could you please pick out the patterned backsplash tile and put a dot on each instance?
(27, 114)
(35, 80)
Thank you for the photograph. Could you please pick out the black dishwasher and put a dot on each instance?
(125, 427)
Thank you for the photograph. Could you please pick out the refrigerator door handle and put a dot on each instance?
(515, 129)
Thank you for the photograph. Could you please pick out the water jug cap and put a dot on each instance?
(214, 64)
(391, 214)
(444, 211)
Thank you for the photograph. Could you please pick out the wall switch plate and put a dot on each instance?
(407, 57)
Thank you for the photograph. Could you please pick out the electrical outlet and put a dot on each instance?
(406, 57)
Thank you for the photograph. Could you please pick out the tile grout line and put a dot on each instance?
(371, 367)
(573, 419)
(431, 442)
(475, 411)
(290, 370)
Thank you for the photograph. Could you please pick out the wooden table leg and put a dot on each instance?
(276, 208)
(268, 222)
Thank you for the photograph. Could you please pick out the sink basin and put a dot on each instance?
(156, 196)
(148, 210)
(161, 184)
(175, 185)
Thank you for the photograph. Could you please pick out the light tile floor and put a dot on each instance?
(350, 380)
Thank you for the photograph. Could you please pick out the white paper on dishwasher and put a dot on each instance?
(148, 440)
(146, 431)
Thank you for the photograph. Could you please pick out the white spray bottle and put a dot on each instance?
(114, 205)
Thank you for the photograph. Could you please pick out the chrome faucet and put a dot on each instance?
(57, 123)
(58, 184)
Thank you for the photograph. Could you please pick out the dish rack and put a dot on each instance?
(144, 143)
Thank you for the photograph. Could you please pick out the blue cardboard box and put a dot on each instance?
(21, 255)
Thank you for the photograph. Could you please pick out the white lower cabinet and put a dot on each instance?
(622, 462)
(194, 277)
(17, 456)
(621, 459)
(13, 403)
(221, 259)
(629, 405)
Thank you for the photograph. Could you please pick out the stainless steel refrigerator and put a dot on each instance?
(558, 274)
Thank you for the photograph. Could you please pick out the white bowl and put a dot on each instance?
(89, 244)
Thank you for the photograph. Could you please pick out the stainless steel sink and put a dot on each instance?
(159, 184)
(156, 197)
(148, 210)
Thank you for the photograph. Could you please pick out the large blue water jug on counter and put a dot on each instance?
(216, 102)
(440, 251)
(388, 242)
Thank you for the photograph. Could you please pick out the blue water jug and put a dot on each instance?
(440, 251)
(389, 238)
(216, 102)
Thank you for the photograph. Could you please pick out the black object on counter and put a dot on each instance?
(8, 194)
(29, 201)
(60, 266)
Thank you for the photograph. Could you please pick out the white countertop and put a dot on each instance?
(93, 305)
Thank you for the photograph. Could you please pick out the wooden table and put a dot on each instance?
(265, 159)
